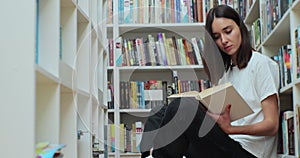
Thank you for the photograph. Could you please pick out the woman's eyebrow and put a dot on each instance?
(227, 27)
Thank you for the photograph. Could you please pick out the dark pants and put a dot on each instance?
(187, 130)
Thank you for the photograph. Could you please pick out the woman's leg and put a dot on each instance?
(152, 124)
(184, 119)
(170, 135)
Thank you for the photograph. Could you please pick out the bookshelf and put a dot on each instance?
(116, 26)
(272, 39)
(278, 31)
(57, 79)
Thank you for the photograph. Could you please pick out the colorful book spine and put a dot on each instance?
(297, 44)
(184, 17)
(139, 132)
(111, 52)
(118, 51)
(127, 17)
(121, 11)
(162, 49)
(146, 12)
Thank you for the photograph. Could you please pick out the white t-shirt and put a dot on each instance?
(256, 82)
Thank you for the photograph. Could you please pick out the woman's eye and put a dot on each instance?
(228, 31)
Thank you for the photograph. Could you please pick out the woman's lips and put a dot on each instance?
(228, 48)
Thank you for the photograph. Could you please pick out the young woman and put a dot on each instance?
(256, 77)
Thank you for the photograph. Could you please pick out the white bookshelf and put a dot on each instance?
(47, 54)
(282, 34)
(143, 73)
(54, 88)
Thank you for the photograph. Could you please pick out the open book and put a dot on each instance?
(216, 98)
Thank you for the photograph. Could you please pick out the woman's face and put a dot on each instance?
(227, 35)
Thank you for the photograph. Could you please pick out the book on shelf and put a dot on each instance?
(287, 123)
(118, 51)
(216, 98)
(48, 150)
(297, 48)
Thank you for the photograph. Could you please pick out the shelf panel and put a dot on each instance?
(67, 3)
(128, 155)
(84, 7)
(296, 5)
(144, 68)
(135, 111)
(82, 63)
(43, 76)
(68, 43)
(286, 89)
(253, 13)
(66, 75)
(286, 156)
(47, 35)
(280, 35)
(110, 110)
(174, 27)
(110, 68)
(82, 17)
(297, 81)
(65, 89)
(68, 123)
(47, 112)
(83, 93)
(185, 27)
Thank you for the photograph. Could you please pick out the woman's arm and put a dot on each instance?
(267, 127)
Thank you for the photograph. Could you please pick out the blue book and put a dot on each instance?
(143, 106)
(121, 11)
(46, 150)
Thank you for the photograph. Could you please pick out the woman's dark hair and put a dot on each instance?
(245, 50)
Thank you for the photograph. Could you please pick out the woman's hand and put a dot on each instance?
(223, 119)
(267, 127)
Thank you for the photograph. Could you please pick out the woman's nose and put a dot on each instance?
(224, 39)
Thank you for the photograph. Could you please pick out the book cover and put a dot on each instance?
(287, 120)
(118, 51)
(47, 150)
(162, 49)
(127, 12)
(198, 49)
(216, 98)
(121, 11)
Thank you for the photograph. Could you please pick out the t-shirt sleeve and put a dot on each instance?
(267, 78)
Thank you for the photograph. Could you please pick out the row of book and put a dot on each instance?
(286, 135)
(169, 11)
(153, 93)
(110, 95)
(164, 51)
(256, 33)
(241, 6)
(284, 61)
(272, 11)
(156, 11)
(142, 94)
(285, 54)
(130, 137)
(297, 48)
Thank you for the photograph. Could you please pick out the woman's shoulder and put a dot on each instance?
(259, 57)
(262, 60)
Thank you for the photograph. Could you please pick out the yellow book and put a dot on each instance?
(216, 98)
